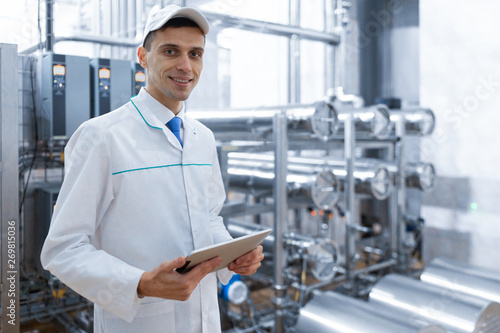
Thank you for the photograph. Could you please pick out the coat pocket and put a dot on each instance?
(152, 317)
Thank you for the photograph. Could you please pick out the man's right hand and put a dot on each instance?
(165, 282)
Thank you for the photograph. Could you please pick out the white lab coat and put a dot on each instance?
(132, 198)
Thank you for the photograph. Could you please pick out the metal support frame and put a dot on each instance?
(294, 54)
(215, 19)
(270, 28)
(398, 198)
(349, 194)
(9, 197)
(401, 191)
(280, 214)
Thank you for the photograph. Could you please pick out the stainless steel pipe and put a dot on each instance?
(420, 175)
(331, 312)
(320, 186)
(319, 119)
(372, 122)
(370, 179)
(463, 278)
(270, 28)
(417, 121)
(419, 302)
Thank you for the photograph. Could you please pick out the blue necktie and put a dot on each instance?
(175, 126)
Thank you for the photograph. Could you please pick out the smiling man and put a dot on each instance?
(142, 189)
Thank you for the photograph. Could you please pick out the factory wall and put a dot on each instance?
(460, 81)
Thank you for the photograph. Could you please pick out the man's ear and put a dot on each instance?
(141, 55)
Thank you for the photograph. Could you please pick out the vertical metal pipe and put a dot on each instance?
(106, 25)
(49, 25)
(340, 49)
(123, 32)
(140, 21)
(115, 25)
(329, 18)
(9, 186)
(350, 211)
(96, 30)
(280, 213)
(401, 191)
(294, 55)
(131, 25)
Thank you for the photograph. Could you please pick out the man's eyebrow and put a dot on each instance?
(168, 45)
(197, 48)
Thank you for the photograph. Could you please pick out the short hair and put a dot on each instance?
(176, 22)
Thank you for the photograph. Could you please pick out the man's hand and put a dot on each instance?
(165, 282)
(248, 263)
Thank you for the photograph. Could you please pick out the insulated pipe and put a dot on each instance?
(418, 121)
(371, 179)
(463, 278)
(331, 312)
(418, 302)
(319, 119)
(373, 121)
(320, 187)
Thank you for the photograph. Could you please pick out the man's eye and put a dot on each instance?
(196, 54)
(169, 52)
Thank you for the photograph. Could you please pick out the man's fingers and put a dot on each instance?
(171, 265)
(252, 256)
(207, 266)
(247, 270)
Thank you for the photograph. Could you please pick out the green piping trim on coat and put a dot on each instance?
(143, 116)
(160, 166)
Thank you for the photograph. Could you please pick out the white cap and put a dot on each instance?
(158, 19)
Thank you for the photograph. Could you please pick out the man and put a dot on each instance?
(138, 195)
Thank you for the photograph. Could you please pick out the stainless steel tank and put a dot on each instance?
(331, 312)
(471, 280)
(419, 302)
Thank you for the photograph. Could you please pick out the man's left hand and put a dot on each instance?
(248, 263)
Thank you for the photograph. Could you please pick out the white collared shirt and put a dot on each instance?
(161, 112)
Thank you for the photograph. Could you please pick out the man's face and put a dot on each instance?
(174, 64)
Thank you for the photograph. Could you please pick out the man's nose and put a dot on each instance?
(184, 63)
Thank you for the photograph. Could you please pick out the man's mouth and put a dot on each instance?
(180, 80)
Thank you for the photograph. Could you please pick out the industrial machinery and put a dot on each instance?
(138, 78)
(111, 86)
(332, 178)
(64, 94)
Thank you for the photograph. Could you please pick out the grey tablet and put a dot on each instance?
(227, 251)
